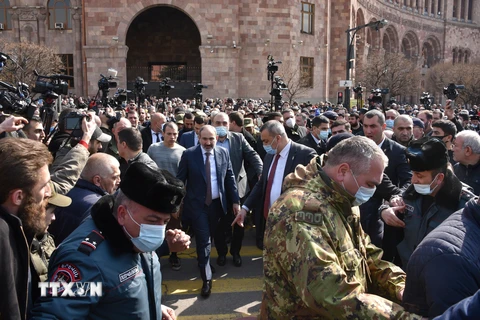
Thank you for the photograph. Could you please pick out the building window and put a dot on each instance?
(308, 14)
(59, 12)
(5, 14)
(306, 72)
(67, 60)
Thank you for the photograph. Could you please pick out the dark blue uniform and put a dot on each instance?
(99, 251)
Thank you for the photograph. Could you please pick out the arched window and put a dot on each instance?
(5, 15)
(59, 15)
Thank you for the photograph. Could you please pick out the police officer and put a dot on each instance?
(116, 247)
(435, 193)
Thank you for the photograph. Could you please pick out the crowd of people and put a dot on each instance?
(367, 213)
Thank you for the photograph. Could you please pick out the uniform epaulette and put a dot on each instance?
(91, 242)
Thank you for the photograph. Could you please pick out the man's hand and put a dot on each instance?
(177, 240)
(400, 294)
(449, 113)
(390, 218)
(168, 313)
(240, 217)
(12, 123)
(396, 201)
(88, 127)
(236, 209)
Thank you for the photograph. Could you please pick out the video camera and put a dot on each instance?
(165, 87)
(427, 100)
(51, 86)
(272, 66)
(106, 83)
(451, 91)
(377, 95)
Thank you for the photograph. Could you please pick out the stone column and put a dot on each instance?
(435, 7)
(77, 54)
(466, 2)
(42, 25)
(458, 5)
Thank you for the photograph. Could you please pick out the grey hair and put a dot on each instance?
(403, 117)
(372, 113)
(274, 128)
(358, 152)
(470, 139)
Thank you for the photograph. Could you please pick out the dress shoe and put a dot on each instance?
(221, 260)
(237, 260)
(206, 288)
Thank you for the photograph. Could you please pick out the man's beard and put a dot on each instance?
(33, 215)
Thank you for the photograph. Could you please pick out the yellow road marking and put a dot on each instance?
(230, 316)
(173, 287)
(247, 251)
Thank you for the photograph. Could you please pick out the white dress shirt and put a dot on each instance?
(213, 172)
(278, 177)
(154, 137)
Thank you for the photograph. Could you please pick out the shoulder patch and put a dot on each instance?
(130, 273)
(66, 272)
(90, 243)
(409, 208)
(308, 217)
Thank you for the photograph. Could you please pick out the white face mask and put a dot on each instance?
(363, 194)
(150, 237)
(424, 189)
(290, 123)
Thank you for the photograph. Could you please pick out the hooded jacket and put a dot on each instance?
(445, 267)
(318, 262)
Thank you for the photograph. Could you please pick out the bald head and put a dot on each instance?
(403, 129)
(157, 122)
(119, 126)
(103, 170)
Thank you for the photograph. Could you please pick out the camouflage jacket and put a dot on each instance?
(318, 262)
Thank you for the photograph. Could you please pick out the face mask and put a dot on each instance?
(323, 135)
(363, 194)
(389, 123)
(424, 189)
(354, 110)
(290, 123)
(221, 131)
(269, 149)
(150, 238)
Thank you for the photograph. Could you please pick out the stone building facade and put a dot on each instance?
(225, 43)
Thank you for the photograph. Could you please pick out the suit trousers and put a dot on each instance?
(237, 235)
(206, 228)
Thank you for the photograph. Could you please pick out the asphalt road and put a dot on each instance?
(236, 291)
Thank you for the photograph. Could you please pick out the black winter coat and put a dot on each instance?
(445, 267)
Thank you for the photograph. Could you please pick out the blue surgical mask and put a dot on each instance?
(363, 194)
(323, 135)
(389, 123)
(424, 189)
(269, 149)
(221, 131)
(150, 237)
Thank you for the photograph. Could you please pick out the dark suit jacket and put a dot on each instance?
(147, 138)
(240, 150)
(187, 140)
(398, 169)
(191, 171)
(296, 133)
(298, 154)
(310, 142)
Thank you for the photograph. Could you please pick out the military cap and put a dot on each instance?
(179, 118)
(427, 153)
(418, 123)
(155, 189)
(295, 108)
(57, 199)
(363, 110)
(247, 122)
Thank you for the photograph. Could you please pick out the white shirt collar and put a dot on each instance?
(381, 143)
(286, 149)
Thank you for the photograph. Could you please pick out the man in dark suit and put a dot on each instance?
(207, 172)
(187, 120)
(283, 155)
(294, 132)
(153, 132)
(239, 151)
(190, 139)
(399, 173)
(317, 138)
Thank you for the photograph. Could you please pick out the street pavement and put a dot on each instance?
(236, 292)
